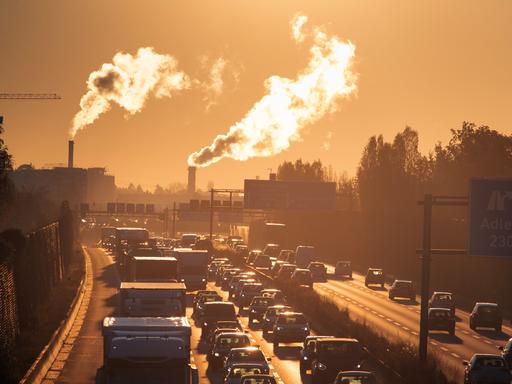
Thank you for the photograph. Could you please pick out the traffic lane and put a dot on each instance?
(408, 314)
(397, 321)
(198, 352)
(285, 361)
(86, 355)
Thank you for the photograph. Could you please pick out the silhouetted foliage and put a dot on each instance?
(6, 187)
(301, 171)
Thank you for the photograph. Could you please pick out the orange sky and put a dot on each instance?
(427, 64)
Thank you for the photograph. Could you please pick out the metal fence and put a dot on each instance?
(31, 265)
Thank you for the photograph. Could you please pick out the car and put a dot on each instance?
(232, 238)
(258, 379)
(214, 265)
(197, 312)
(283, 254)
(245, 355)
(286, 272)
(402, 289)
(220, 271)
(242, 250)
(235, 373)
(355, 377)
(302, 276)
(252, 256)
(262, 262)
(248, 292)
(275, 268)
(343, 268)
(506, 352)
(236, 278)
(441, 319)
(289, 327)
(222, 327)
(442, 300)
(233, 295)
(304, 254)
(276, 294)
(226, 277)
(201, 293)
(272, 250)
(374, 276)
(221, 346)
(318, 271)
(486, 315)
(216, 311)
(307, 352)
(486, 368)
(332, 355)
(258, 307)
(269, 318)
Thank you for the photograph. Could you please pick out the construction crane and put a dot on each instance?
(29, 96)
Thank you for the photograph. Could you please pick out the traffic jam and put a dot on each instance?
(173, 289)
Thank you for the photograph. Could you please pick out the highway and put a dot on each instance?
(400, 320)
(81, 358)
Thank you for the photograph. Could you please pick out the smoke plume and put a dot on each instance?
(129, 81)
(276, 120)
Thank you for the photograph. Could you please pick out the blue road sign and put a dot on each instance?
(490, 217)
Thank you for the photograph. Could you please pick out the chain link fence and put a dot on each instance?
(31, 265)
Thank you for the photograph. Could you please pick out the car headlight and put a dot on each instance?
(216, 354)
(321, 366)
(203, 280)
(306, 328)
(279, 329)
(205, 324)
(253, 311)
(305, 357)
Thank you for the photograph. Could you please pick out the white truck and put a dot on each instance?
(153, 299)
(192, 267)
(147, 350)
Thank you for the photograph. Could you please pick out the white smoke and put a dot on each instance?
(277, 119)
(215, 84)
(129, 81)
(297, 24)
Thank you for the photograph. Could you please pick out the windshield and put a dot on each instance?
(220, 310)
(232, 341)
(443, 297)
(252, 288)
(239, 372)
(261, 302)
(489, 362)
(295, 319)
(357, 380)
(339, 349)
(247, 355)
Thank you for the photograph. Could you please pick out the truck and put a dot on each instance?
(304, 254)
(151, 268)
(153, 299)
(125, 240)
(147, 350)
(262, 233)
(192, 267)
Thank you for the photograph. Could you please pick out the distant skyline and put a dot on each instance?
(429, 65)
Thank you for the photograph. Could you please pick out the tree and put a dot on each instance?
(159, 190)
(6, 187)
(301, 171)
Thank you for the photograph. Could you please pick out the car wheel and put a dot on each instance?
(275, 344)
(391, 297)
(302, 368)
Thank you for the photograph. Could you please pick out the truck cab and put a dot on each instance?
(153, 299)
(146, 350)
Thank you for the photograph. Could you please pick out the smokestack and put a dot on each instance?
(191, 179)
(71, 153)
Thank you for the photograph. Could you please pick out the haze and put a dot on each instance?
(430, 65)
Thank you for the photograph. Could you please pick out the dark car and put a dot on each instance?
(223, 343)
(269, 318)
(486, 315)
(222, 327)
(220, 271)
(506, 353)
(236, 372)
(276, 267)
(276, 294)
(334, 355)
(246, 355)
(308, 351)
(318, 271)
(247, 293)
(237, 286)
(216, 311)
(258, 379)
(283, 255)
(199, 305)
(286, 272)
(201, 293)
(374, 276)
(484, 368)
(402, 289)
(262, 262)
(272, 250)
(441, 319)
(343, 268)
(252, 256)
(258, 307)
(355, 377)
(302, 277)
(290, 327)
(226, 277)
(442, 300)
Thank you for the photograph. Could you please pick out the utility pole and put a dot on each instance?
(212, 191)
(425, 276)
(174, 220)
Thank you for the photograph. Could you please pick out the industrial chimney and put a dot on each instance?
(71, 153)
(191, 179)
